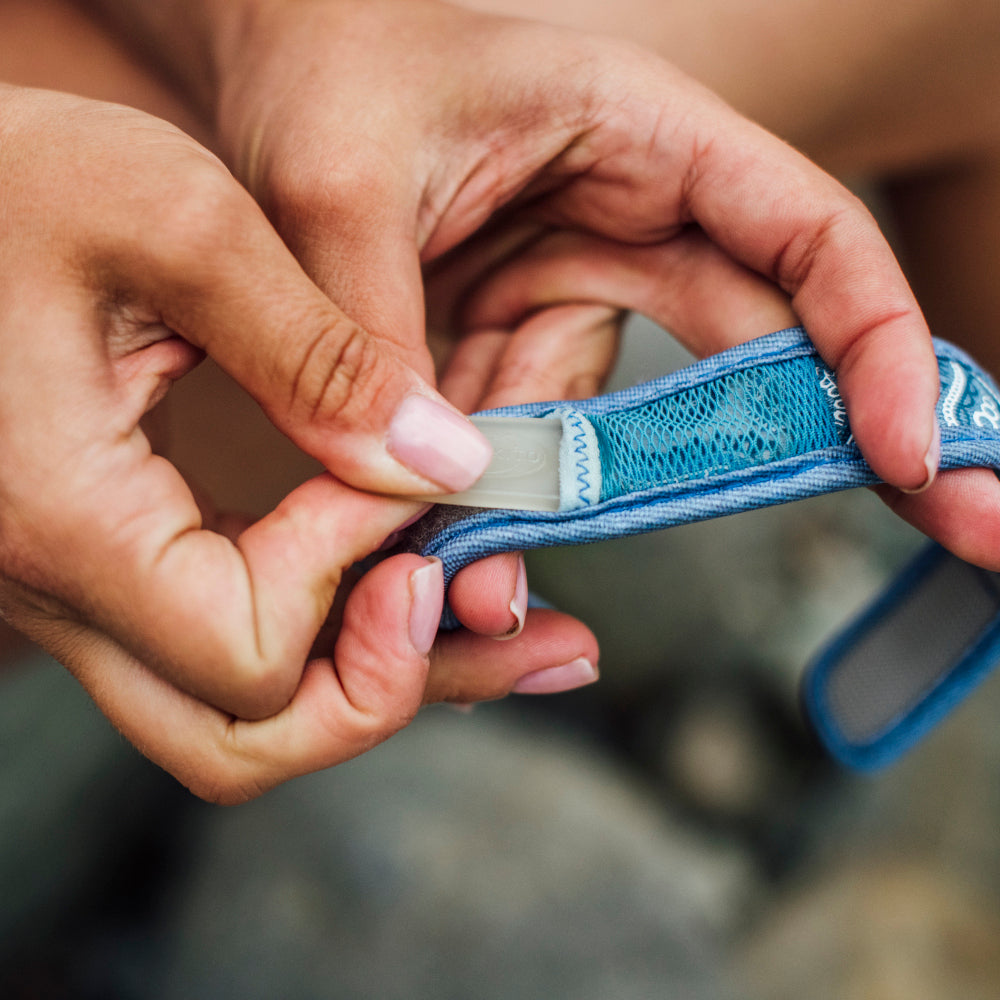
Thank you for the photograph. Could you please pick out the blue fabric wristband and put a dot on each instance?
(760, 424)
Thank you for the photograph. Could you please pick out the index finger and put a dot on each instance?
(651, 166)
(779, 214)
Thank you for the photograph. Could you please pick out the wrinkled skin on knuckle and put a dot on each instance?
(380, 710)
(383, 700)
(225, 771)
(340, 375)
(354, 734)
(220, 787)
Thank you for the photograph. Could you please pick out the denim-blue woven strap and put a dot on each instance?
(760, 424)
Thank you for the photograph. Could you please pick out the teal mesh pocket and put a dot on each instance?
(737, 421)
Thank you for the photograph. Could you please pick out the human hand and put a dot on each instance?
(523, 175)
(126, 249)
(336, 113)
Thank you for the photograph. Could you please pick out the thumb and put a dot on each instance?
(342, 395)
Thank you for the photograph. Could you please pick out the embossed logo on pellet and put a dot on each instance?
(512, 459)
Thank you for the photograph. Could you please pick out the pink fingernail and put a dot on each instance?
(552, 680)
(519, 602)
(438, 444)
(426, 602)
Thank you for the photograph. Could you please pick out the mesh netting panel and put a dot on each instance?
(738, 421)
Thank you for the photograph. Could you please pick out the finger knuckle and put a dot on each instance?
(206, 216)
(524, 381)
(223, 788)
(338, 374)
(226, 773)
(260, 687)
(297, 189)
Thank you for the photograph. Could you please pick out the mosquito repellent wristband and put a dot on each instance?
(760, 424)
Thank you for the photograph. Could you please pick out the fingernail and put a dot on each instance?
(426, 602)
(519, 602)
(438, 444)
(552, 680)
(932, 459)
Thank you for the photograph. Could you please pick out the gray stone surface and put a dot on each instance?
(466, 858)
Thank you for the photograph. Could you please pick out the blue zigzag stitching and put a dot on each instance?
(580, 450)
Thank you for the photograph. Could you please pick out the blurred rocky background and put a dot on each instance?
(671, 832)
